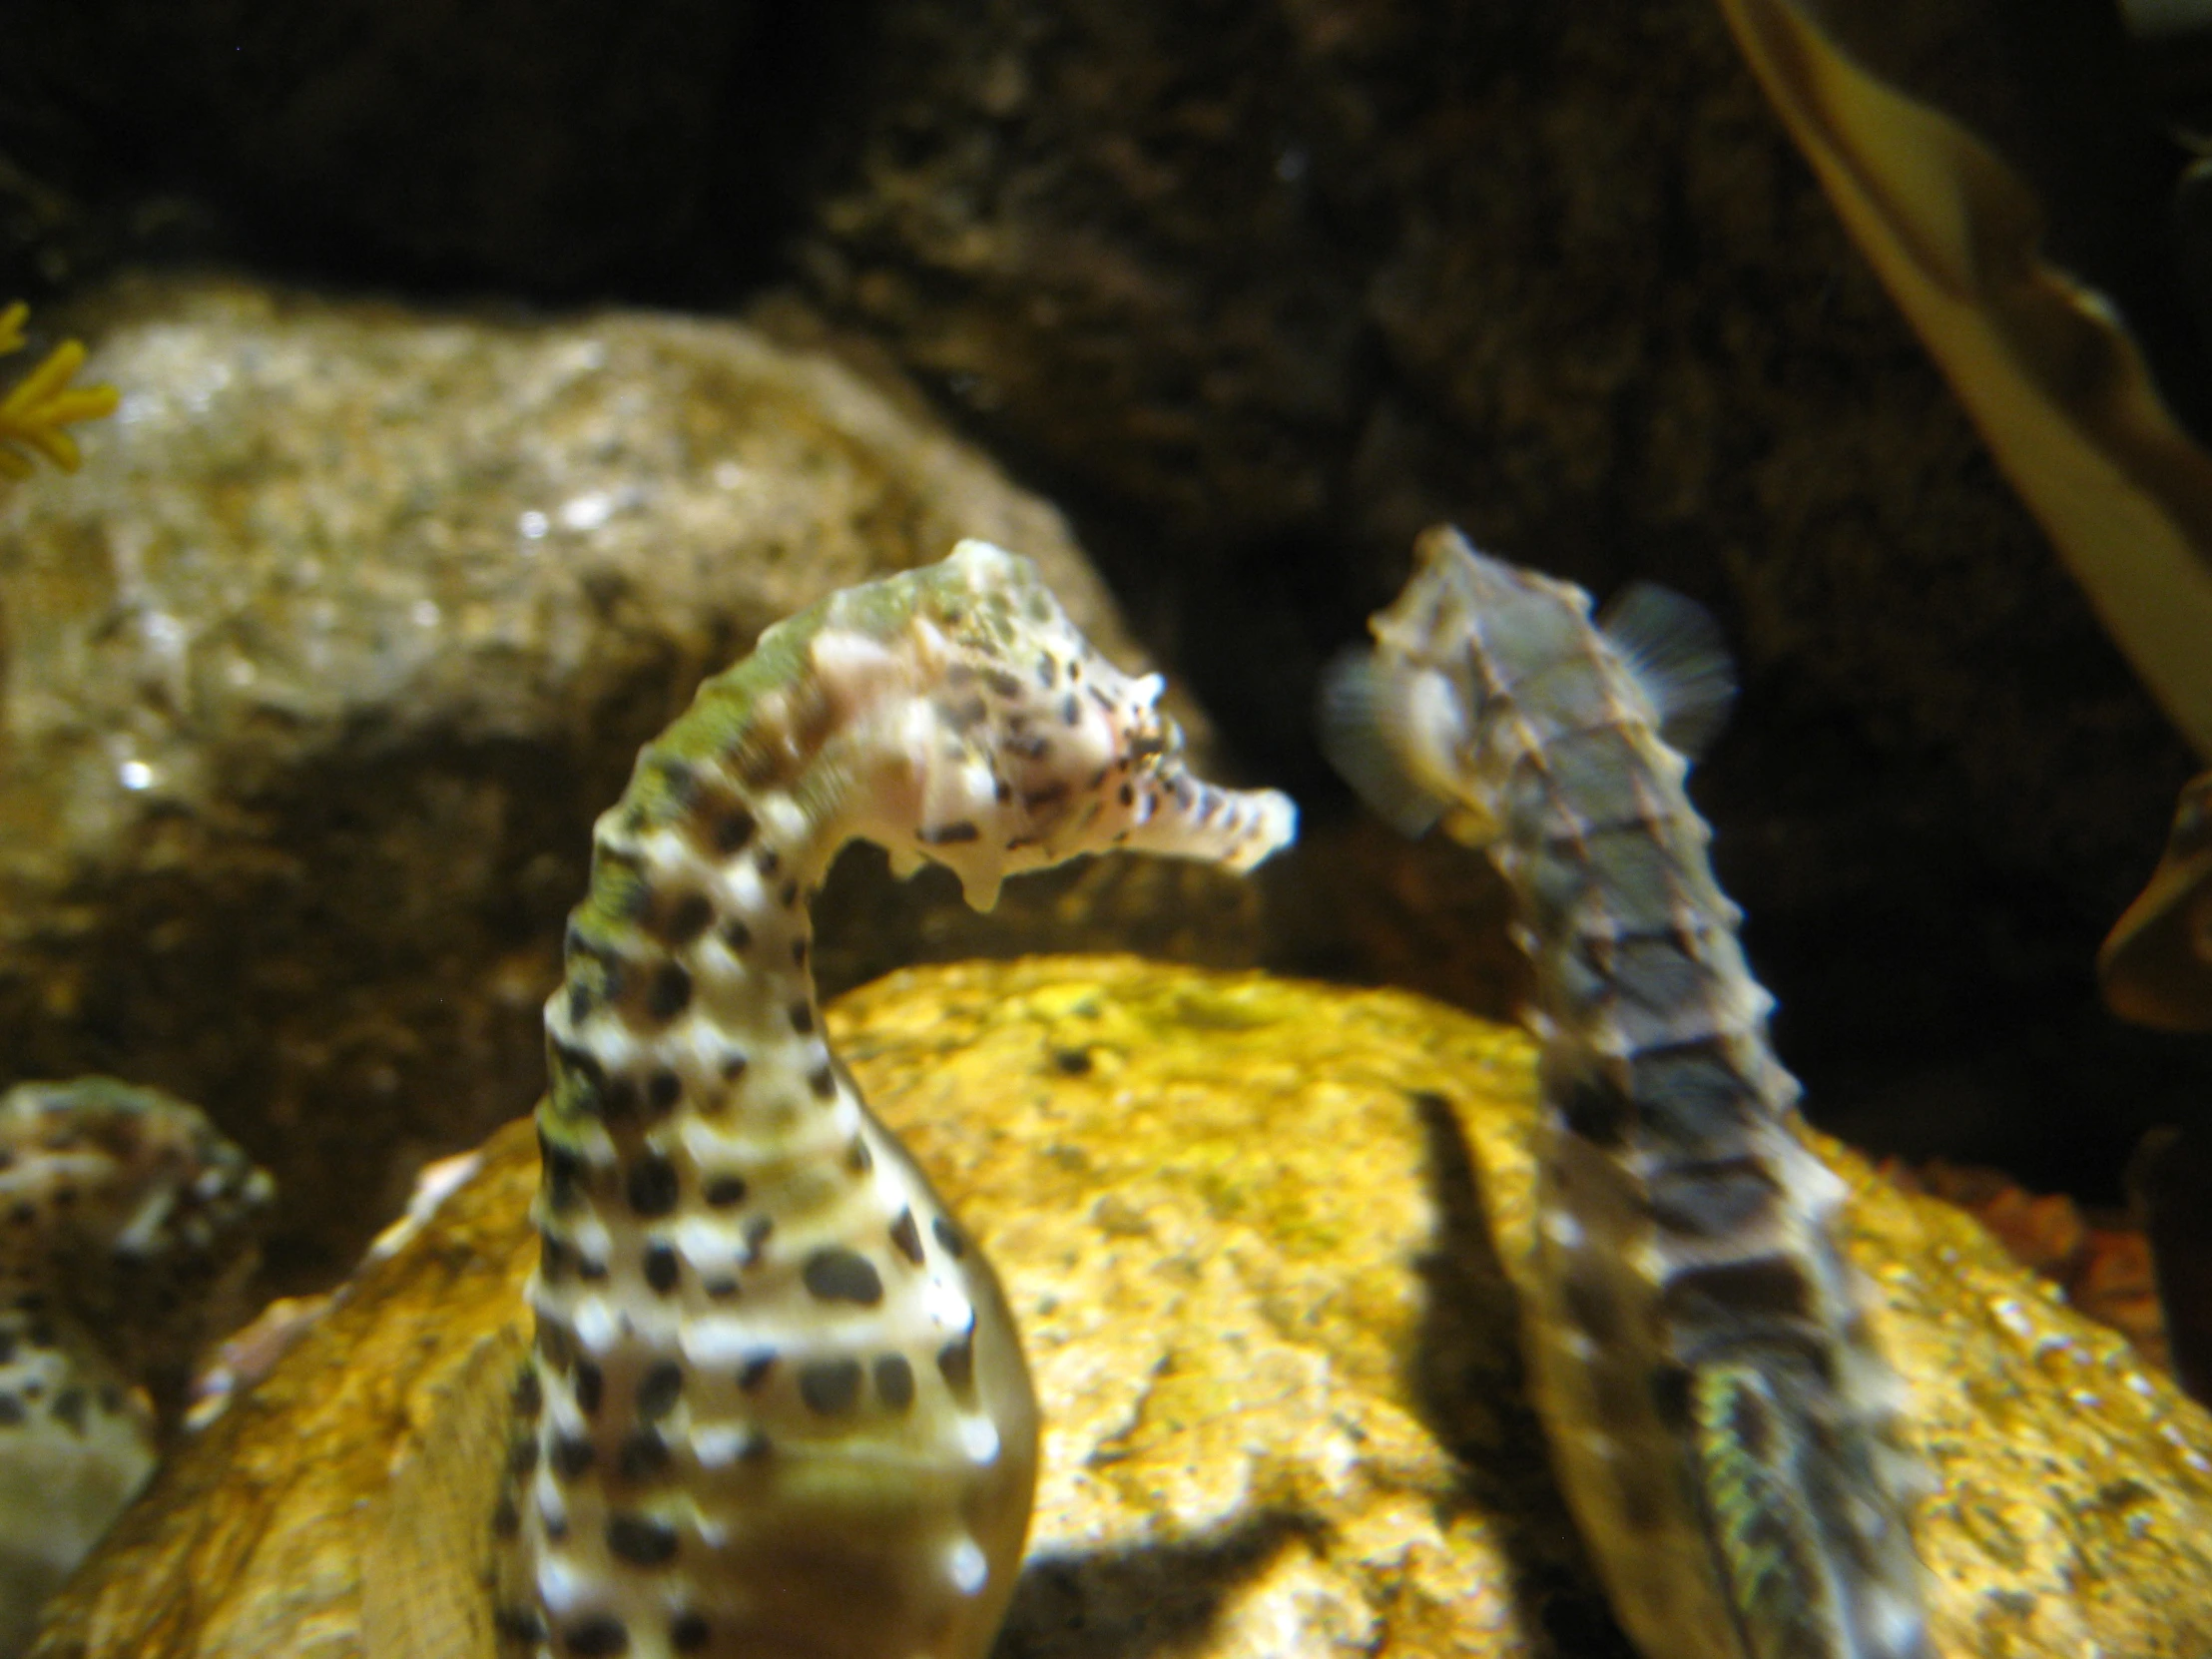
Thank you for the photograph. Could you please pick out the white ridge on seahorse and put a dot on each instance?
(777, 1405)
(1724, 1429)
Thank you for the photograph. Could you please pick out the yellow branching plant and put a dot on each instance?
(43, 403)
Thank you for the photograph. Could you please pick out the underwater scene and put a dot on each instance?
(1106, 830)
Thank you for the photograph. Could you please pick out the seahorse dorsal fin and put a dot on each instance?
(1675, 649)
(1362, 716)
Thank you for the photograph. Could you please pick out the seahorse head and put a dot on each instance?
(1475, 650)
(1019, 746)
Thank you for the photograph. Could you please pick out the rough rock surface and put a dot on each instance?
(313, 680)
(1263, 1237)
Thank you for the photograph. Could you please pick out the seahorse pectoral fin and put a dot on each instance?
(1674, 648)
(1364, 716)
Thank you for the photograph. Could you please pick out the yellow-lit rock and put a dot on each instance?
(1254, 1233)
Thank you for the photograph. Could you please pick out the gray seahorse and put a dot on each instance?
(776, 1403)
(1724, 1429)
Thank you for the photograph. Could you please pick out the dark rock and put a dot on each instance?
(547, 148)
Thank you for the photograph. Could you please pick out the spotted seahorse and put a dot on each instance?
(127, 1229)
(1725, 1430)
(775, 1403)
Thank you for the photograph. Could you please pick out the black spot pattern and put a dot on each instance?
(659, 1389)
(908, 1236)
(643, 1455)
(668, 992)
(661, 1269)
(641, 1540)
(686, 918)
(895, 1381)
(731, 830)
(600, 1636)
(652, 1187)
(829, 1387)
(837, 1274)
(616, 1099)
(956, 1361)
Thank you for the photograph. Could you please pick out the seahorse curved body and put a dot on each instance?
(1722, 1425)
(776, 1403)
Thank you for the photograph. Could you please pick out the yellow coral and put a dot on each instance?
(33, 414)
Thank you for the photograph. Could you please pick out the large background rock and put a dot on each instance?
(1257, 289)
(313, 680)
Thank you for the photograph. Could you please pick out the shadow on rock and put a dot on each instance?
(1144, 1600)
(1470, 1388)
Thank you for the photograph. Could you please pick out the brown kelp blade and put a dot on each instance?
(2043, 364)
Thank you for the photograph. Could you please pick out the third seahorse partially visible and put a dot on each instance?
(1724, 1427)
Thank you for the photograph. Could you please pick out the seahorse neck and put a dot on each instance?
(694, 944)
(776, 1400)
(733, 1288)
